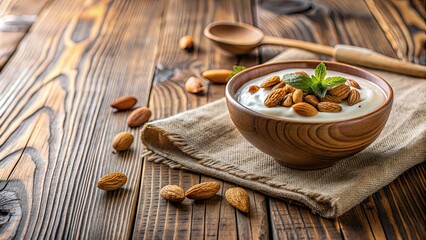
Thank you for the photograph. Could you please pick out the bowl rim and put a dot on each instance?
(233, 101)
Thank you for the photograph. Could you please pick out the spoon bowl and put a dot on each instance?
(234, 37)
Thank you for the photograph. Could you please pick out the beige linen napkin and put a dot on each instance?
(204, 140)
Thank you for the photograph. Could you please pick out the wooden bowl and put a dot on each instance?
(304, 145)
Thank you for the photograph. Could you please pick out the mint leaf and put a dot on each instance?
(320, 71)
(319, 89)
(299, 81)
(332, 82)
(237, 69)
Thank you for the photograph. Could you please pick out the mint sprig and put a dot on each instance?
(237, 69)
(317, 83)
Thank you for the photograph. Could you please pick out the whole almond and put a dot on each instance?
(305, 109)
(302, 73)
(173, 193)
(329, 107)
(122, 141)
(341, 91)
(281, 84)
(353, 83)
(219, 76)
(298, 96)
(194, 85)
(238, 198)
(203, 190)
(271, 81)
(186, 43)
(253, 88)
(288, 100)
(354, 97)
(311, 99)
(275, 97)
(112, 181)
(124, 103)
(288, 88)
(331, 98)
(138, 117)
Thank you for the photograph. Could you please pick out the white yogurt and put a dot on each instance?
(372, 97)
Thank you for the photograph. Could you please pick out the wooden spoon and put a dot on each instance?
(239, 38)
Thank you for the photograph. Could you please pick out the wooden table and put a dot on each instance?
(56, 126)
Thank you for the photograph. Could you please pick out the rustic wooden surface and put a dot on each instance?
(56, 125)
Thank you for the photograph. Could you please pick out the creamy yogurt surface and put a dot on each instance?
(372, 96)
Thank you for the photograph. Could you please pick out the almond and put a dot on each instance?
(138, 117)
(288, 88)
(122, 141)
(253, 89)
(194, 85)
(353, 83)
(288, 100)
(302, 73)
(305, 109)
(271, 81)
(124, 103)
(341, 91)
(281, 84)
(298, 96)
(112, 181)
(219, 76)
(203, 190)
(238, 198)
(329, 107)
(354, 97)
(275, 97)
(186, 43)
(173, 193)
(330, 98)
(311, 99)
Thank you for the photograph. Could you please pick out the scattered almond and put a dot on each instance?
(173, 193)
(253, 88)
(302, 73)
(238, 198)
(311, 99)
(288, 100)
(122, 141)
(331, 98)
(194, 85)
(341, 91)
(124, 103)
(305, 109)
(354, 97)
(138, 117)
(112, 181)
(271, 81)
(219, 76)
(186, 43)
(353, 83)
(203, 190)
(281, 84)
(275, 97)
(329, 107)
(298, 96)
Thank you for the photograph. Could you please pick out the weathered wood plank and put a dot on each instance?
(56, 124)
(213, 218)
(11, 35)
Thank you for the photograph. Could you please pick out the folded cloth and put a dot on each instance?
(204, 140)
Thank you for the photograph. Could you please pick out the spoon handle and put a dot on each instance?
(369, 58)
(308, 46)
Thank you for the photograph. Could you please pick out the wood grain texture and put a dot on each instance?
(56, 125)
(12, 35)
